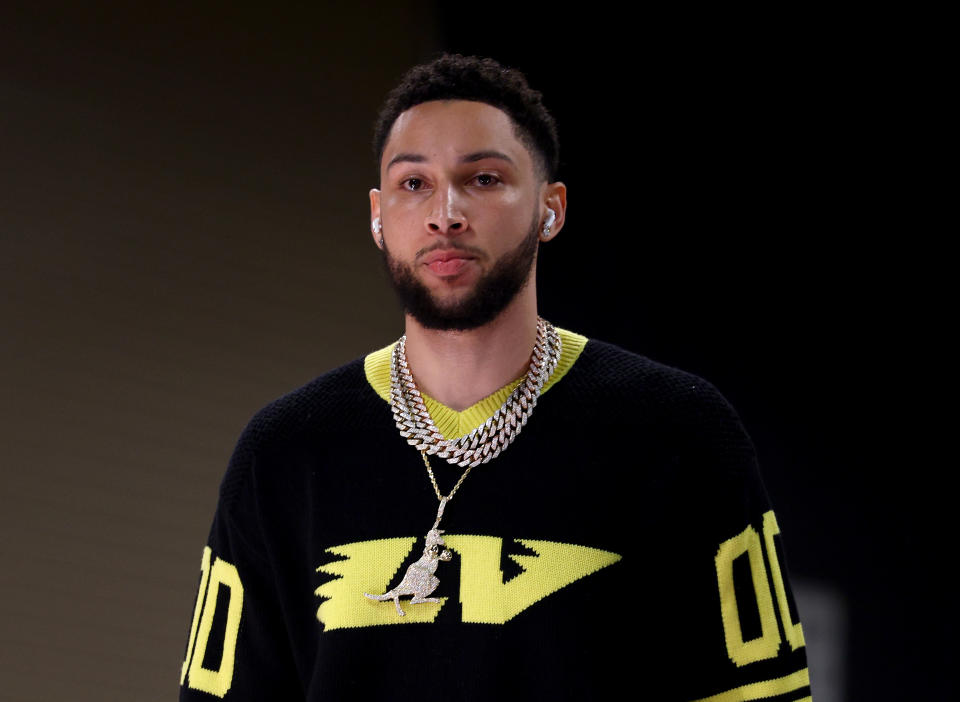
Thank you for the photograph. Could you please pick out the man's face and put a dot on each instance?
(460, 206)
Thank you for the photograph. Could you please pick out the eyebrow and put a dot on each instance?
(481, 155)
(409, 158)
(469, 158)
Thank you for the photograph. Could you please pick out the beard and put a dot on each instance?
(490, 295)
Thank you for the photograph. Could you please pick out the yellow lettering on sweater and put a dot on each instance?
(487, 599)
(373, 566)
(792, 629)
(749, 544)
(213, 577)
(198, 608)
(740, 651)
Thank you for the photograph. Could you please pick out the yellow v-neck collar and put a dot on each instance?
(450, 422)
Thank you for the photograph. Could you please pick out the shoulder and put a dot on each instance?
(685, 407)
(338, 396)
(613, 372)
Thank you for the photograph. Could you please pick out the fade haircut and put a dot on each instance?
(456, 77)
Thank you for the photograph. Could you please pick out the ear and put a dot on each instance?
(554, 198)
(375, 216)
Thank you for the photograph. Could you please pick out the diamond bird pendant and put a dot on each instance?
(419, 579)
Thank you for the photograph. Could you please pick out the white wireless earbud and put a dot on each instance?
(376, 225)
(548, 222)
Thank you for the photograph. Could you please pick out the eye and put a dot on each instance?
(486, 180)
(413, 184)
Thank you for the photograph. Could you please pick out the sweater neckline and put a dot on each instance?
(451, 423)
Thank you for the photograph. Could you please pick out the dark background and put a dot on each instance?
(184, 236)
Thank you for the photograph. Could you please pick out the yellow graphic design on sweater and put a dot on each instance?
(372, 566)
(748, 544)
(486, 599)
(214, 578)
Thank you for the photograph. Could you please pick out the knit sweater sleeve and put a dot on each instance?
(238, 646)
(756, 646)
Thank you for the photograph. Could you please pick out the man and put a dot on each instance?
(594, 521)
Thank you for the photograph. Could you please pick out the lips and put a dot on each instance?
(447, 262)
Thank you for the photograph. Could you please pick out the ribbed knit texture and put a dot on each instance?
(622, 543)
(451, 423)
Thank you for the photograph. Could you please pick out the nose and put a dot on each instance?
(446, 216)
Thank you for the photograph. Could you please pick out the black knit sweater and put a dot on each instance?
(623, 544)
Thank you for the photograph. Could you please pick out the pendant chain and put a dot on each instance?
(433, 480)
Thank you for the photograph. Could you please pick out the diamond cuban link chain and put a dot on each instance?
(485, 442)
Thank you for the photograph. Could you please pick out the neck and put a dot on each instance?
(460, 368)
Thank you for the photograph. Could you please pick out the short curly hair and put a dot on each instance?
(457, 77)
